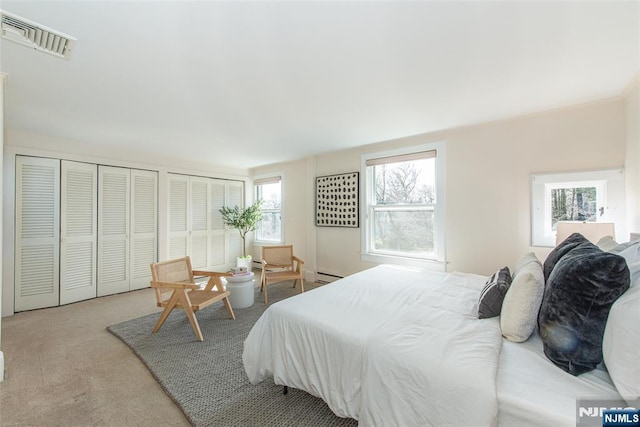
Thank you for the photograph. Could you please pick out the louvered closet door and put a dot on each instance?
(78, 231)
(37, 268)
(199, 231)
(113, 230)
(178, 216)
(144, 226)
(218, 252)
(235, 197)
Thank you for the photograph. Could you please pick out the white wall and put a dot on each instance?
(298, 181)
(2, 81)
(487, 182)
(488, 170)
(632, 154)
(24, 143)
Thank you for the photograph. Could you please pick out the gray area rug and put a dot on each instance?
(207, 379)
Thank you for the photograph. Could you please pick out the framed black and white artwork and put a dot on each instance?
(337, 200)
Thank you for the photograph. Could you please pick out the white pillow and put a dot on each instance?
(606, 243)
(632, 256)
(521, 304)
(621, 345)
(526, 259)
(622, 246)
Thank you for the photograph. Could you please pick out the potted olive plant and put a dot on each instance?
(243, 220)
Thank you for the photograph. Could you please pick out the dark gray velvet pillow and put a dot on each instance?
(579, 293)
(492, 295)
(559, 251)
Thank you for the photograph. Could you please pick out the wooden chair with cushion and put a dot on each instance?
(279, 264)
(175, 287)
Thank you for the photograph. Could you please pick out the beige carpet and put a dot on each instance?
(63, 368)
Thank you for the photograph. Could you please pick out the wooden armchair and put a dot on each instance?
(174, 285)
(278, 264)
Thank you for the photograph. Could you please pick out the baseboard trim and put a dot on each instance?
(322, 277)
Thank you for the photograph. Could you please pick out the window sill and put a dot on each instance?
(267, 242)
(427, 264)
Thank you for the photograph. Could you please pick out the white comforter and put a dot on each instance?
(387, 346)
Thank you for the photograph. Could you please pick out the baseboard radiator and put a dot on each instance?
(326, 277)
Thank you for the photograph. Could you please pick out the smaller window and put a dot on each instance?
(576, 202)
(596, 196)
(270, 227)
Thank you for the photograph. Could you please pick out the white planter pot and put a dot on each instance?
(242, 290)
(246, 262)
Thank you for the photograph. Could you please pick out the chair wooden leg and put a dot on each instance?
(171, 304)
(194, 324)
(294, 283)
(227, 305)
(186, 304)
(266, 299)
(301, 285)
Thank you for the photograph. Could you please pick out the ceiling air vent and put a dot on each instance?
(36, 36)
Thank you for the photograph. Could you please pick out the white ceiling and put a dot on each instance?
(252, 83)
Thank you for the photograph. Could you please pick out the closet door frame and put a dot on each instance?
(234, 196)
(78, 280)
(178, 227)
(218, 232)
(141, 233)
(113, 238)
(37, 256)
(199, 221)
(182, 215)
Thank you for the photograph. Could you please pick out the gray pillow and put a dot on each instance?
(579, 293)
(493, 293)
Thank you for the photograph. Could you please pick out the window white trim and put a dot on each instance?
(401, 158)
(610, 184)
(270, 178)
(267, 180)
(439, 262)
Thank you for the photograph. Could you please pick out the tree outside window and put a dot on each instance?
(573, 204)
(270, 227)
(403, 207)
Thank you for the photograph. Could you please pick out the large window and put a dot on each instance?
(596, 196)
(404, 222)
(270, 228)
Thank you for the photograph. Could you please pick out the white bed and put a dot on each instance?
(534, 392)
(400, 346)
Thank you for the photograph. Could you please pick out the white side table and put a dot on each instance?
(242, 290)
